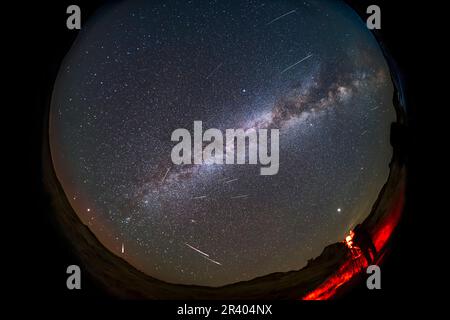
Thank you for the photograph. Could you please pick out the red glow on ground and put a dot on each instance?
(383, 233)
(354, 264)
(356, 261)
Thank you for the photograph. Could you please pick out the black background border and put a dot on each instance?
(41, 255)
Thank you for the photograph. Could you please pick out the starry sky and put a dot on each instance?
(138, 70)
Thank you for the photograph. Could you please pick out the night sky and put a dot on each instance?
(139, 70)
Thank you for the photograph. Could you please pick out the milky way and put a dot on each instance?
(139, 70)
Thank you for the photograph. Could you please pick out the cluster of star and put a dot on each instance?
(140, 70)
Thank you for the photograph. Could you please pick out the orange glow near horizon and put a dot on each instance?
(349, 239)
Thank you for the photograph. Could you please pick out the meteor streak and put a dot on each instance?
(282, 16)
(213, 261)
(240, 196)
(293, 65)
(164, 178)
(212, 72)
(199, 251)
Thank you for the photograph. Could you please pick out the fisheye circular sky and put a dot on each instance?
(138, 70)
